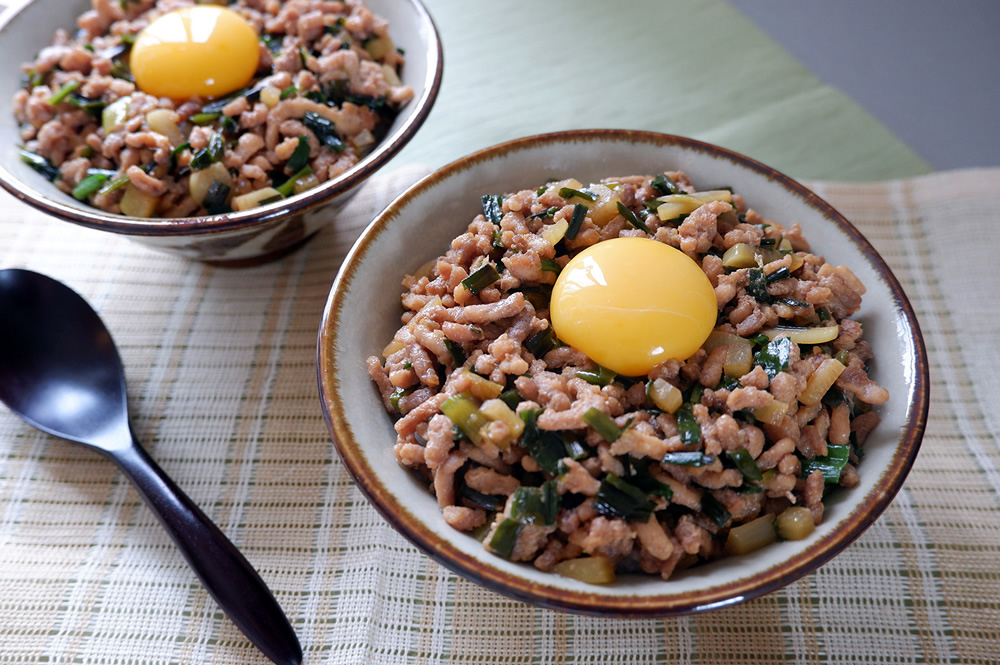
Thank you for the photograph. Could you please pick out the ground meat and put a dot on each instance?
(559, 437)
(336, 67)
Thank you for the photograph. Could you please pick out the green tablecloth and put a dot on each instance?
(696, 68)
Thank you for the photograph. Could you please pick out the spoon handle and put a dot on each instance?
(227, 575)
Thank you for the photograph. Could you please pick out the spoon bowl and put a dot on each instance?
(60, 371)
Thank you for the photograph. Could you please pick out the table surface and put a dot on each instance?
(222, 386)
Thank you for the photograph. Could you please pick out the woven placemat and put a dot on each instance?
(221, 374)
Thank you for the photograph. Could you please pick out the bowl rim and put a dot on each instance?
(264, 215)
(597, 603)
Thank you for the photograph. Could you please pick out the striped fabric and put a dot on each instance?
(222, 384)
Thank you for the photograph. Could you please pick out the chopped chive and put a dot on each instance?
(40, 164)
(692, 458)
(632, 219)
(664, 185)
(760, 339)
(63, 92)
(541, 190)
(781, 273)
(714, 510)
(457, 355)
(511, 398)
(773, 358)
(300, 157)
(535, 505)
(205, 118)
(746, 464)
(505, 537)
(270, 199)
(619, 498)
(541, 342)
(768, 242)
(288, 187)
(288, 92)
(492, 207)
(576, 450)
(687, 426)
(89, 185)
(823, 313)
(585, 194)
(792, 303)
(831, 465)
(548, 212)
(602, 424)
(602, 376)
(576, 221)
(215, 199)
(487, 501)
(480, 279)
(546, 448)
(113, 184)
(549, 265)
(757, 286)
(324, 130)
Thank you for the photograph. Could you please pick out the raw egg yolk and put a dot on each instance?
(632, 303)
(203, 50)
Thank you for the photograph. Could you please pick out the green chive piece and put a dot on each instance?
(300, 157)
(113, 184)
(205, 118)
(549, 265)
(456, 352)
(288, 187)
(63, 92)
(665, 185)
(288, 92)
(619, 498)
(687, 426)
(746, 464)
(714, 510)
(576, 221)
(602, 424)
(781, 273)
(482, 278)
(831, 465)
(324, 130)
(632, 219)
(89, 185)
(40, 164)
(542, 342)
(692, 458)
(602, 376)
(505, 537)
(492, 207)
(585, 194)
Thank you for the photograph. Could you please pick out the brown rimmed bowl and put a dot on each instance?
(362, 314)
(247, 237)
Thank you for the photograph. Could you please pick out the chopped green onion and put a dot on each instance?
(643, 480)
(300, 157)
(505, 537)
(602, 376)
(792, 303)
(457, 355)
(511, 398)
(542, 342)
(760, 339)
(602, 424)
(288, 187)
(618, 498)
(548, 212)
(781, 273)
(215, 199)
(89, 185)
(632, 219)
(757, 285)
(768, 242)
(463, 410)
(549, 265)
(831, 465)
(92, 106)
(272, 42)
(324, 130)
(480, 279)
(545, 447)
(210, 154)
(40, 164)
(487, 501)
(746, 464)
(113, 184)
(576, 450)
(585, 194)
(205, 118)
(664, 185)
(714, 510)
(687, 426)
(535, 505)
(396, 395)
(288, 92)
(492, 207)
(63, 92)
(576, 221)
(773, 358)
(692, 458)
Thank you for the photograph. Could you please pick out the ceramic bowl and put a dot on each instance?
(362, 314)
(240, 237)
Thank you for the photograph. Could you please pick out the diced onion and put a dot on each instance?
(136, 203)
(555, 232)
(254, 198)
(817, 335)
(592, 570)
(751, 536)
(821, 380)
(795, 523)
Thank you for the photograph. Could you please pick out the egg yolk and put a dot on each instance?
(203, 50)
(632, 303)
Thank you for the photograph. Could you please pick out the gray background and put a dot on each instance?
(928, 69)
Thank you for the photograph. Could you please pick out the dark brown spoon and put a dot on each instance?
(60, 371)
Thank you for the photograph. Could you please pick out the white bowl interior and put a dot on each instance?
(32, 28)
(420, 229)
